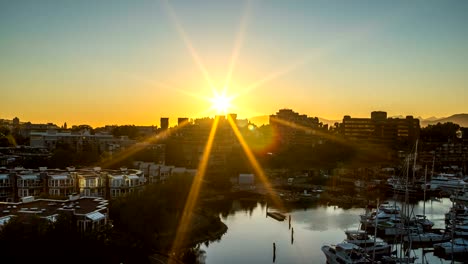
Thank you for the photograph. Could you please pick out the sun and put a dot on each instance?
(221, 103)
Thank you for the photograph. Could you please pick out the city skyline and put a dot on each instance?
(116, 62)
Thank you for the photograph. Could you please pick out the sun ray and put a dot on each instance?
(321, 134)
(312, 55)
(188, 43)
(308, 129)
(256, 166)
(114, 159)
(237, 45)
(201, 97)
(278, 73)
(194, 190)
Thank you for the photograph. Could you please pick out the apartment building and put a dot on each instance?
(381, 130)
(79, 141)
(89, 213)
(293, 128)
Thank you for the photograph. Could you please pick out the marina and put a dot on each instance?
(252, 234)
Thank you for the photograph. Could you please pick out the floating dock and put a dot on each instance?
(276, 215)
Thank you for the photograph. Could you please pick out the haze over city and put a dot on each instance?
(121, 62)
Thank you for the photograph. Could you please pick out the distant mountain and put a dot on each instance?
(432, 118)
(400, 116)
(461, 119)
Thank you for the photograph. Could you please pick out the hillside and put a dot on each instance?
(461, 119)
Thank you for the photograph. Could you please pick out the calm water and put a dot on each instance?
(251, 234)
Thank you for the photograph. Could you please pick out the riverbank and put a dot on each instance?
(204, 227)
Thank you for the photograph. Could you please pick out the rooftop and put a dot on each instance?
(49, 207)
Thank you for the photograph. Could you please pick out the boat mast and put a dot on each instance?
(424, 199)
(375, 232)
(414, 162)
(433, 163)
(404, 209)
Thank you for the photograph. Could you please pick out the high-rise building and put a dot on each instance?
(182, 121)
(381, 130)
(164, 123)
(295, 129)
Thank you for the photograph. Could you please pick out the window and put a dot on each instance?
(90, 182)
(116, 183)
(87, 192)
(5, 182)
(115, 192)
(23, 192)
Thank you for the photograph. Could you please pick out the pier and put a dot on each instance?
(277, 215)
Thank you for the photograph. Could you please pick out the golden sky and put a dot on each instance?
(120, 62)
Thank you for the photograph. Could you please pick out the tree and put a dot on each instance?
(440, 132)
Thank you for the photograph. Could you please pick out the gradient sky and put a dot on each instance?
(132, 62)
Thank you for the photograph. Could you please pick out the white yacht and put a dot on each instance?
(345, 253)
(447, 181)
(397, 227)
(426, 237)
(368, 243)
(380, 216)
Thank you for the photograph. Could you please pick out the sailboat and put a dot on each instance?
(425, 237)
(406, 225)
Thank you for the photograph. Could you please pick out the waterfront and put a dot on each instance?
(251, 233)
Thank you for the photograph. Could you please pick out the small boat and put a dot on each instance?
(448, 182)
(370, 245)
(426, 237)
(396, 227)
(458, 212)
(378, 217)
(460, 230)
(455, 246)
(460, 197)
(424, 222)
(345, 253)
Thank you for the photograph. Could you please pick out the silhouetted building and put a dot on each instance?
(182, 121)
(187, 144)
(164, 123)
(233, 116)
(295, 129)
(81, 141)
(381, 130)
(27, 128)
(16, 121)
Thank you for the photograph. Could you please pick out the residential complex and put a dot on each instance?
(378, 129)
(293, 128)
(78, 141)
(17, 183)
(90, 213)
